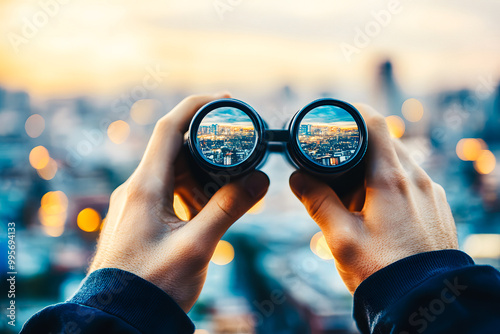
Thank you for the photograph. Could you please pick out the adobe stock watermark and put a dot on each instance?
(371, 30)
(120, 108)
(223, 6)
(31, 26)
(421, 319)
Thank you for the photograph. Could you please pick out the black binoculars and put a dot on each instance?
(227, 139)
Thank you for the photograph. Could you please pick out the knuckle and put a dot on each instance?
(378, 122)
(193, 100)
(116, 193)
(439, 189)
(163, 123)
(134, 188)
(423, 181)
(396, 178)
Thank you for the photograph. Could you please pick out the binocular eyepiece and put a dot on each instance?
(227, 139)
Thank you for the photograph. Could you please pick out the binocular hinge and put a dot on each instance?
(276, 136)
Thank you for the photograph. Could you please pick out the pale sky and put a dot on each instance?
(100, 47)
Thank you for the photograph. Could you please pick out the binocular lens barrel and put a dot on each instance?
(326, 137)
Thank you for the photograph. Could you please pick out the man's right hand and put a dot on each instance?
(404, 213)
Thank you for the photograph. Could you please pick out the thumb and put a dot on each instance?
(320, 201)
(227, 205)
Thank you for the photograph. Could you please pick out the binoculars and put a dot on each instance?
(327, 138)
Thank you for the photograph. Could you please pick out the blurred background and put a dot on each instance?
(83, 82)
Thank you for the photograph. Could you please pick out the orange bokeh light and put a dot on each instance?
(88, 220)
(396, 126)
(468, 149)
(412, 110)
(118, 131)
(39, 157)
(180, 209)
(485, 162)
(319, 246)
(49, 171)
(223, 254)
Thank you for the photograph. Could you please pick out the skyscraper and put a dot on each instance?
(215, 129)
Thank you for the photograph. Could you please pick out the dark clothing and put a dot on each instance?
(435, 292)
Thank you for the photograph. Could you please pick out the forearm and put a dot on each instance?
(434, 292)
(114, 301)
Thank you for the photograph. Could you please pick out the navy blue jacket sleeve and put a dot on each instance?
(113, 301)
(434, 292)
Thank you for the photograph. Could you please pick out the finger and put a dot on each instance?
(382, 156)
(227, 205)
(321, 202)
(171, 128)
(156, 168)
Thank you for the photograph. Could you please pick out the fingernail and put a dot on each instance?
(222, 94)
(297, 182)
(256, 184)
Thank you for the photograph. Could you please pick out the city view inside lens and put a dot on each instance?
(226, 136)
(328, 135)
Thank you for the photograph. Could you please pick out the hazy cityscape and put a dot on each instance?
(226, 144)
(328, 145)
(280, 244)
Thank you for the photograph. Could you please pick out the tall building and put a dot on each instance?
(389, 89)
(215, 129)
(303, 129)
(227, 159)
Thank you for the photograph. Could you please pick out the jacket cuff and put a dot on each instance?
(138, 302)
(388, 285)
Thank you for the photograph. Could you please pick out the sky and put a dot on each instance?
(329, 115)
(100, 47)
(227, 116)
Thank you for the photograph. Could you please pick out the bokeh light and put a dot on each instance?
(485, 162)
(468, 149)
(396, 126)
(39, 157)
(144, 111)
(412, 110)
(258, 207)
(483, 245)
(180, 208)
(53, 231)
(54, 202)
(224, 253)
(88, 220)
(53, 213)
(319, 246)
(49, 171)
(35, 124)
(118, 131)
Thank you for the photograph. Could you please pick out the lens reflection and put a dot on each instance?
(328, 135)
(226, 136)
